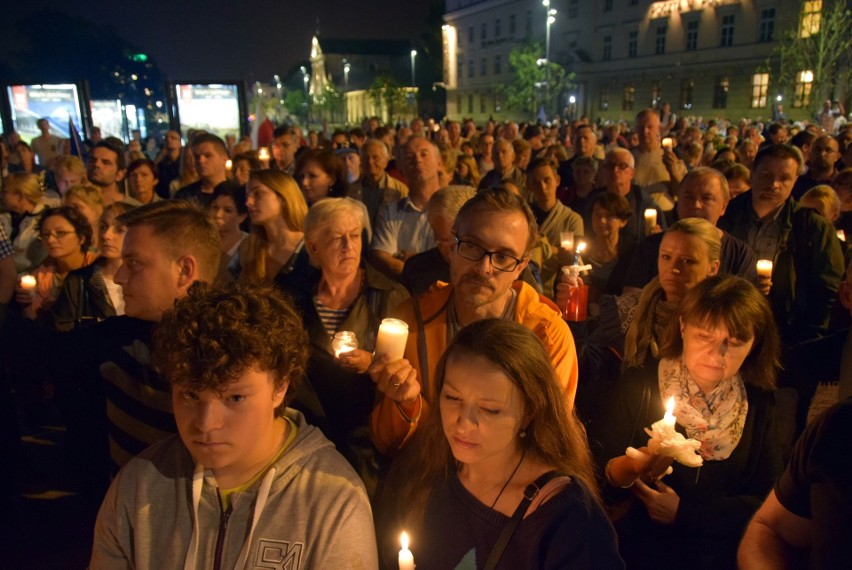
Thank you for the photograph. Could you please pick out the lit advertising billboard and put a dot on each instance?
(106, 114)
(212, 107)
(56, 103)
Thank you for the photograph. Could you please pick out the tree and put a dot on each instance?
(818, 48)
(387, 95)
(536, 83)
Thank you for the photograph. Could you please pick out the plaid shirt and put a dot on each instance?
(5, 244)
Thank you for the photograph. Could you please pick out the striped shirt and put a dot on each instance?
(331, 318)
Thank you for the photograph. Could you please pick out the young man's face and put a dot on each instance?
(150, 280)
(233, 432)
(103, 167)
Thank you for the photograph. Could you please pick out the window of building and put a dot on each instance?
(529, 22)
(660, 44)
(603, 103)
(767, 25)
(759, 89)
(470, 103)
(483, 102)
(483, 67)
(656, 94)
(607, 6)
(687, 87)
(459, 69)
(632, 43)
(692, 35)
(497, 103)
(802, 90)
(497, 30)
(512, 24)
(498, 64)
(726, 36)
(470, 35)
(720, 92)
(484, 33)
(633, 2)
(459, 104)
(607, 48)
(573, 9)
(628, 96)
(470, 68)
(811, 16)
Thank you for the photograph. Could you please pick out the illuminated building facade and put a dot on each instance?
(710, 58)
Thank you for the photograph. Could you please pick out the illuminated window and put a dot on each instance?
(767, 25)
(759, 89)
(692, 35)
(628, 96)
(632, 42)
(603, 103)
(656, 94)
(802, 90)
(607, 48)
(660, 44)
(811, 15)
(687, 86)
(726, 35)
(720, 92)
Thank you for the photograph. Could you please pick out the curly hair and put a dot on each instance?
(80, 224)
(216, 333)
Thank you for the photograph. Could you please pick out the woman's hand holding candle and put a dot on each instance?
(26, 289)
(667, 441)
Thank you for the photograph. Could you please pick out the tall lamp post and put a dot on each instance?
(551, 18)
(413, 56)
(346, 68)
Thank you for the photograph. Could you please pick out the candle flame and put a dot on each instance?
(229, 164)
(403, 540)
(581, 247)
(670, 404)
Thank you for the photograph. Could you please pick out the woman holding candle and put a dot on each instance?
(275, 252)
(718, 361)
(321, 174)
(347, 296)
(66, 235)
(499, 426)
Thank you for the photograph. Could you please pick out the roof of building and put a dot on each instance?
(349, 46)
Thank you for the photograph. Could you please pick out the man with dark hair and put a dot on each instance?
(46, 146)
(493, 232)
(106, 168)
(284, 147)
(808, 262)
(210, 155)
(233, 356)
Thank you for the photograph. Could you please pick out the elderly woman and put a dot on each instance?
(274, 252)
(321, 174)
(66, 235)
(23, 200)
(344, 298)
(631, 326)
(87, 200)
(90, 294)
(718, 362)
(499, 450)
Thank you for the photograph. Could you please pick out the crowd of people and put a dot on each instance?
(184, 308)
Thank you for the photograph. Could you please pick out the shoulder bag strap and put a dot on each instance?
(511, 525)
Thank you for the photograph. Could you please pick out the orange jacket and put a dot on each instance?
(390, 429)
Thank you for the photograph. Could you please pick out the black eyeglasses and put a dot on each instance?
(499, 261)
(58, 234)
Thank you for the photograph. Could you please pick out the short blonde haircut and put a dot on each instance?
(26, 184)
(71, 164)
(88, 194)
(824, 200)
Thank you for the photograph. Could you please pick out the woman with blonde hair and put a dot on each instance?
(89, 201)
(467, 171)
(23, 200)
(499, 452)
(68, 171)
(275, 249)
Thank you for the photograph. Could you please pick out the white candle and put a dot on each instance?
(764, 268)
(263, 154)
(28, 283)
(393, 334)
(406, 558)
(650, 220)
(566, 240)
(841, 235)
(667, 143)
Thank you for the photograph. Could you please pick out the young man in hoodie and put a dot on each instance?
(247, 483)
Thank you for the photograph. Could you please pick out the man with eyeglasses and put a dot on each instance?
(493, 234)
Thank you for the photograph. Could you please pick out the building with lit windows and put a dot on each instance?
(710, 58)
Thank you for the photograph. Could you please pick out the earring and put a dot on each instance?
(523, 434)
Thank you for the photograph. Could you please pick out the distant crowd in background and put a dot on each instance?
(559, 283)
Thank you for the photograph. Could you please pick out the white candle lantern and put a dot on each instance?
(764, 268)
(393, 334)
(650, 220)
(28, 283)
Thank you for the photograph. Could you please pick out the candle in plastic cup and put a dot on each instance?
(650, 220)
(393, 334)
(764, 268)
(406, 558)
(566, 240)
(667, 143)
(28, 283)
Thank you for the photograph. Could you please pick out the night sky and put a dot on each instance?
(235, 39)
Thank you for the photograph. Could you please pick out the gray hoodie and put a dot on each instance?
(309, 511)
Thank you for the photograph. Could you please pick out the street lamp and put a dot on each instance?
(346, 68)
(550, 13)
(413, 55)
